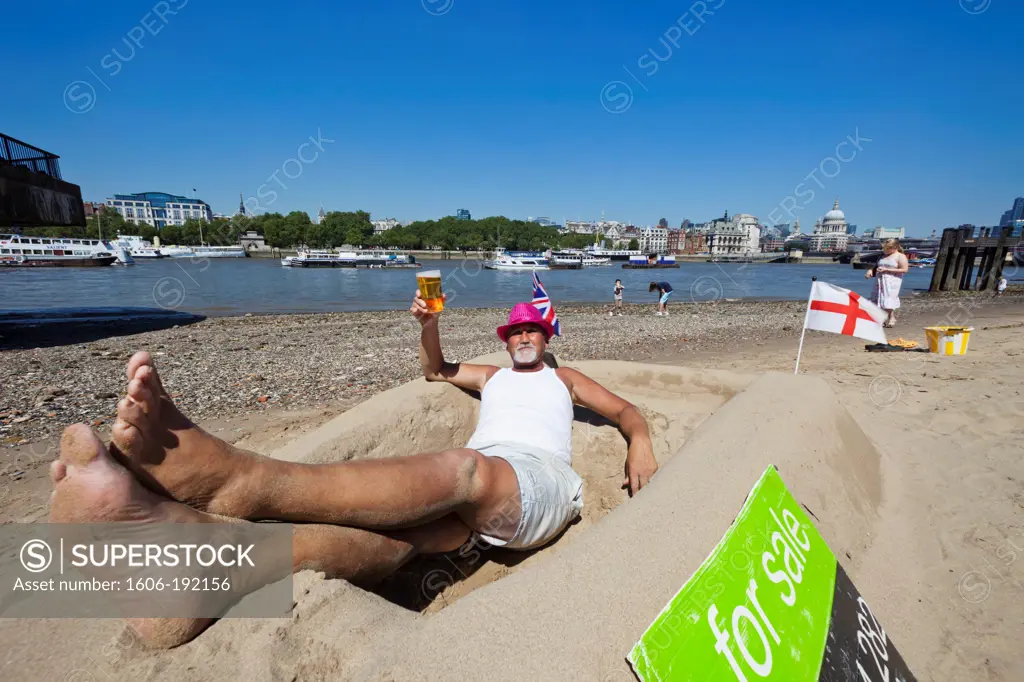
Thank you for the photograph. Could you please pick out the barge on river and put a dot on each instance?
(650, 262)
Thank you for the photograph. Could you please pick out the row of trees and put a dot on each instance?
(339, 228)
(355, 229)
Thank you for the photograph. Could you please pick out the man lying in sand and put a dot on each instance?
(511, 485)
(523, 440)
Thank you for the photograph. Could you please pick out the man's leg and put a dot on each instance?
(174, 457)
(91, 487)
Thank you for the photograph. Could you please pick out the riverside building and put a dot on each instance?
(740, 235)
(159, 209)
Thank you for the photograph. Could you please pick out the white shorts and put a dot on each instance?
(550, 495)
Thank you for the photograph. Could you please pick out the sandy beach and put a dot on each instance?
(940, 559)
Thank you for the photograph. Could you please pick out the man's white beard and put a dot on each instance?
(526, 355)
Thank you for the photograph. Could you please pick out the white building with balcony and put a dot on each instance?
(653, 239)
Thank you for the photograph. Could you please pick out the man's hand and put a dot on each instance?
(420, 310)
(640, 465)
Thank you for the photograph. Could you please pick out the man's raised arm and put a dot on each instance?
(472, 377)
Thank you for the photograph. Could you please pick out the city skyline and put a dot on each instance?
(543, 220)
(660, 122)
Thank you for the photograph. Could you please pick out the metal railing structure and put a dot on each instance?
(17, 153)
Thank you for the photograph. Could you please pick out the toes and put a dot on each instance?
(127, 433)
(141, 366)
(58, 470)
(138, 360)
(79, 445)
(132, 411)
(149, 376)
(140, 393)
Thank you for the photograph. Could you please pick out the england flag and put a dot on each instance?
(841, 311)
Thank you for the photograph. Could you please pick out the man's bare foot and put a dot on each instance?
(173, 456)
(90, 487)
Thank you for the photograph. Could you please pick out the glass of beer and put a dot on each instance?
(430, 289)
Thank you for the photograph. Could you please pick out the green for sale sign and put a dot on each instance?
(770, 603)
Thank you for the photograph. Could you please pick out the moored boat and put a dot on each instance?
(138, 247)
(383, 258)
(583, 258)
(613, 254)
(314, 258)
(652, 261)
(219, 252)
(517, 261)
(176, 251)
(321, 258)
(28, 251)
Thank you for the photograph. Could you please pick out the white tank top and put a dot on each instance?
(530, 408)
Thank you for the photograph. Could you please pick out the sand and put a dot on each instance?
(911, 464)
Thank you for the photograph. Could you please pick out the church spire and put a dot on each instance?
(241, 205)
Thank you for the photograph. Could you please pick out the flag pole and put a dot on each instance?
(803, 331)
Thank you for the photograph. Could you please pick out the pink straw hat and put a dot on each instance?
(521, 314)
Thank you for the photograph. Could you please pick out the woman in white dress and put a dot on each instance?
(888, 276)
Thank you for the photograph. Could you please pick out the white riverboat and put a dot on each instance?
(382, 257)
(176, 251)
(314, 258)
(219, 252)
(504, 260)
(28, 251)
(613, 254)
(138, 247)
(571, 257)
(203, 251)
(319, 258)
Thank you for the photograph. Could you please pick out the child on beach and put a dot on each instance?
(1001, 287)
(618, 295)
(664, 291)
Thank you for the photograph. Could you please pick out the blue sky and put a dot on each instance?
(512, 107)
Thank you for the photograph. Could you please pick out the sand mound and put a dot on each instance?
(573, 610)
(576, 614)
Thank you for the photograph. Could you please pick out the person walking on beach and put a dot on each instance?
(888, 276)
(664, 291)
(512, 484)
(618, 295)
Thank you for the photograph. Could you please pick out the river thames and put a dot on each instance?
(231, 286)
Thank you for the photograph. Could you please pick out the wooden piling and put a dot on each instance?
(958, 250)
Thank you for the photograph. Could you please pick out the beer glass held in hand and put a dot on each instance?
(430, 289)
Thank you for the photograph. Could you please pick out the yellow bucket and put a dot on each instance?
(948, 340)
